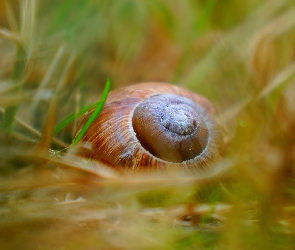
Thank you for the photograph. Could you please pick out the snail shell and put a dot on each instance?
(152, 126)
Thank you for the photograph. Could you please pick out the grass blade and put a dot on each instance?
(95, 113)
(18, 72)
(99, 106)
(71, 118)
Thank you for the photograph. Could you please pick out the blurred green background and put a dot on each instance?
(225, 50)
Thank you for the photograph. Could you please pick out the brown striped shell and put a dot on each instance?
(152, 126)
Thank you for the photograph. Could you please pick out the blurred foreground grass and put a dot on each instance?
(54, 59)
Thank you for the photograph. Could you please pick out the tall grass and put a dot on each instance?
(55, 57)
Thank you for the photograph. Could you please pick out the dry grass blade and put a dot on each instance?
(233, 111)
(12, 20)
(15, 99)
(47, 134)
(285, 77)
(35, 132)
(87, 166)
(9, 35)
(48, 76)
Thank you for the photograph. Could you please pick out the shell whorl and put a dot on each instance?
(152, 126)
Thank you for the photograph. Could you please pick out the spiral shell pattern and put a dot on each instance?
(152, 126)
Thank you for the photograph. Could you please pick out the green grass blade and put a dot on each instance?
(95, 113)
(71, 118)
(205, 14)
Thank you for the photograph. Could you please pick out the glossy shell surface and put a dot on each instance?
(112, 139)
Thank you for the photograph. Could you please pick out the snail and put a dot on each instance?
(157, 126)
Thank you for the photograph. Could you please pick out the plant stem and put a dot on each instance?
(17, 75)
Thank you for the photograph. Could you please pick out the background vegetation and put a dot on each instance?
(54, 60)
